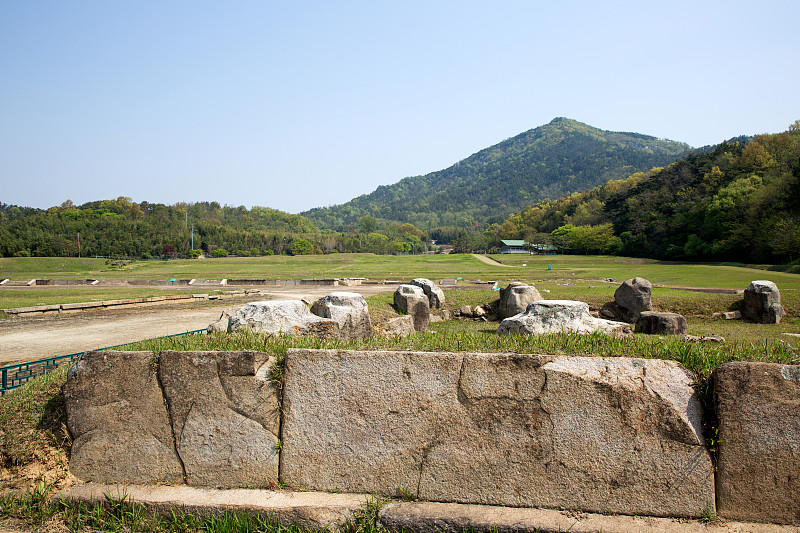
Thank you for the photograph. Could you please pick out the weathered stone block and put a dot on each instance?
(498, 429)
(758, 467)
(516, 297)
(762, 303)
(631, 298)
(349, 310)
(435, 295)
(118, 421)
(405, 296)
(400, 326)
(224, 415)
(659, 323)
(282, 317)
(556, 316)
(421, 314)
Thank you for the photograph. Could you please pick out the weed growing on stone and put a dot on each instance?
(406, 495)
(366, 518)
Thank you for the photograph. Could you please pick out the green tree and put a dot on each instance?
(301, 247)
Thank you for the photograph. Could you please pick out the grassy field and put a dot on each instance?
(380, 267)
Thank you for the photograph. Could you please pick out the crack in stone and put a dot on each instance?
(170, 419)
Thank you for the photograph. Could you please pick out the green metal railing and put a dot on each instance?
(14, 376)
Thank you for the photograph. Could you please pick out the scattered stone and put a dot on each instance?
(557, 316)
(400, 326)
(446, 314)
(225, 419)
(282, 317)
(434, 318)
(448, 282)
(660, 323)
(435, 294)
(479, 312)
(762, 303)
(515, 298)
(465, 311)
(728, 315)
(221, 325)
(498, 429)
(406, 295)
(758, 465)
(421, 314)
(704, 338)
(630, 299)
(118, 420)
(349, 310)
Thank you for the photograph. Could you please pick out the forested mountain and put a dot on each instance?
(550, 161)
(739, 200)
(123, 228)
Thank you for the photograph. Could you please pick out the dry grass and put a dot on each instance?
(34, 441)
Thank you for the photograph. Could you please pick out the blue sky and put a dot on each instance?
(294, 105)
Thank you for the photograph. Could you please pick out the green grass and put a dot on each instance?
(381, 267)
(119, 513)
(572, 276)
(27, 297)
(597, 267)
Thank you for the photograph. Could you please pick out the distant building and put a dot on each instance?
(515, 247)
(523, 247)
(544, 249)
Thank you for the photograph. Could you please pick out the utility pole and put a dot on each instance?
(79, 245)
(192, 237)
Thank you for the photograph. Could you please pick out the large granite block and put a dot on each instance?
(597, 434)
(118, 420)
(758, 467)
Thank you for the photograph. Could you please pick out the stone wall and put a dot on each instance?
(607, 435)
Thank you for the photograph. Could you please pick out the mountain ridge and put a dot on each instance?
(550, 161)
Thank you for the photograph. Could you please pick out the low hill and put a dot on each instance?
(550, 161)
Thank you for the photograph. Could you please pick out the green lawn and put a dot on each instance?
(573, 277)
(401, 267)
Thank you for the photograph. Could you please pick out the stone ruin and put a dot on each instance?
(491, 429)
(436, 299)
(561, 316)
(630, 299)
(515, 298)
(762, 303)
(342, 315)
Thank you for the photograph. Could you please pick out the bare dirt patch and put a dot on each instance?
(28, 339)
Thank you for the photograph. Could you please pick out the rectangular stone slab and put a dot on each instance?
(311, 510)
(596, 434)
(758, 467)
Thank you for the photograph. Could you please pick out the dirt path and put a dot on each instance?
(489, 261)
(28, 339)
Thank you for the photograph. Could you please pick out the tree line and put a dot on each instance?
(124, 228)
